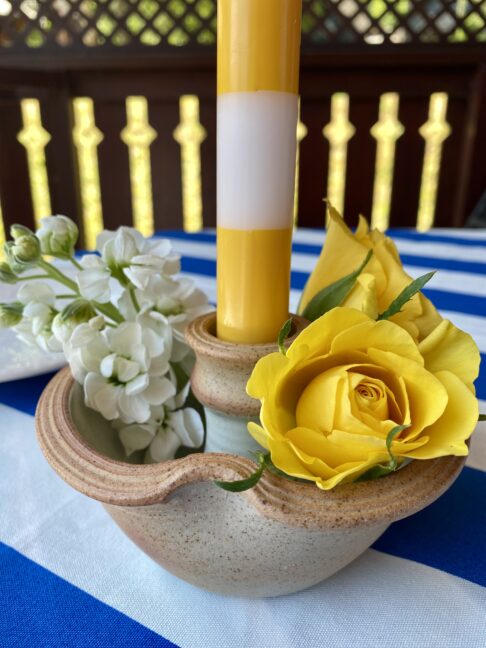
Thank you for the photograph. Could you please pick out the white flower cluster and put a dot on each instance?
(121, 330)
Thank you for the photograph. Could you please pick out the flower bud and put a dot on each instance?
(23, 251)
(78, 311)
(7, 275)
(16, 231)
(58, 236)
(10, 314)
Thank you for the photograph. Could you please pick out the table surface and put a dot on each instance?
(70, 577)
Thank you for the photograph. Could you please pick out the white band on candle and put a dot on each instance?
(256, 159)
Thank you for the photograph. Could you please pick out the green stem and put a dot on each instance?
(110, 311)
(75, 263)
(106, 309)
(56, 274)
(67, 296)
(133, 297)
(40, 276)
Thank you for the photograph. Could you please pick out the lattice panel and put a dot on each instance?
(393, 21)
(84, 24)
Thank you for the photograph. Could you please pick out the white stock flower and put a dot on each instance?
(35, 328)
(118, 248)
(170, 426)
(94, 280)
(144, 267)
(86, 347)
(130, 377)
(167, 302)
(57, 235)
(179, 302)
(76, 312)
(183, 427)
(138, 258)
(62, 329)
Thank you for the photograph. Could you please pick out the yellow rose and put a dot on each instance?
(381, 281)
(329, 404)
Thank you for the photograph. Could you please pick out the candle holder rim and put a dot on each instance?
(292, 503)
(203, 330)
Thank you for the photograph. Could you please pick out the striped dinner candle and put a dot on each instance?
(258, 75)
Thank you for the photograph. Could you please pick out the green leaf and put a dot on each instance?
(389, 440)
(334, 294)
(180, 374)
(407, 293)
(251, 481)
(373, 473)
(380, 470)
(283, 335)
(482, 417)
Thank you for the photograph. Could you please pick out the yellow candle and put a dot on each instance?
(258, 63)
(256, 300)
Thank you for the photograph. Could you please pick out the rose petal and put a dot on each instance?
(447, 436)
(447, 348)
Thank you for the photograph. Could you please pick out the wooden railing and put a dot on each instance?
(394, 135)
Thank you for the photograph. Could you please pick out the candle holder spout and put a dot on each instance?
(219, 380)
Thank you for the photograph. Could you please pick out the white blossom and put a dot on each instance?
(35, 327)
(86, 347)
(131, 374)
(170, 426)
(178, 301)
(122, 332)
(144, 267)
(118, 248)
(138, 257)
(76, 312)
(94, 280)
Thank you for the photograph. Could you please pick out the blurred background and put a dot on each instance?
(108, 113)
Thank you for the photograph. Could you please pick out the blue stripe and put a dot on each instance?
(426, 237)
(457, 302)
(201, 237)
(24, 394)
(405, 234)
(449, 534)
(481, 380)
(40, 609)
(473, 267)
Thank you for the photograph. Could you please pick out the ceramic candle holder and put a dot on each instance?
(279, 537)
(219, 380)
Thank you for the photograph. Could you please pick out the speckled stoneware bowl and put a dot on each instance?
(279, 537)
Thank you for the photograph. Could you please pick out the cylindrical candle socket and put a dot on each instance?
(258, 71)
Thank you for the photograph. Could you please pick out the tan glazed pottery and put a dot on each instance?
(219, 382)
(279, 537)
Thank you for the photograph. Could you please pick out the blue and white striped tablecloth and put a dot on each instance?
(69, 577)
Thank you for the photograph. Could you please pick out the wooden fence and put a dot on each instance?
(120, 136)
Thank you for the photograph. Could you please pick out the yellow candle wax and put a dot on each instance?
(253, 283)
(258, 70)
(258, 45)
